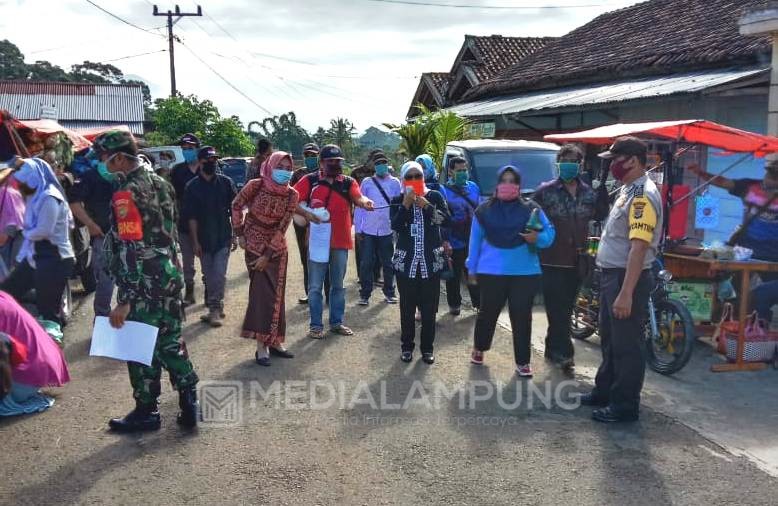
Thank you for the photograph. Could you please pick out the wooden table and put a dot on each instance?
(745, 268)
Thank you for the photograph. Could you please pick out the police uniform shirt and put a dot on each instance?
(636, 214)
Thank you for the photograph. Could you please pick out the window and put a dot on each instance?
(536, 167)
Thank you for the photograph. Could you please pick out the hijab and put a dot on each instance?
(407, 166)
(503, 221)
(271, 163)
(38, 176)
(428, 168)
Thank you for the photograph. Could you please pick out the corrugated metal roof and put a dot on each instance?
(73, 101)
(619, 91)
(136, 127)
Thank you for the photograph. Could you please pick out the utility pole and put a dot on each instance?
(170, 38)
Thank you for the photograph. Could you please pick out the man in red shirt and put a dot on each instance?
(332, 190)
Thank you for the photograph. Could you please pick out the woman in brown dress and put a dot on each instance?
(270, 203)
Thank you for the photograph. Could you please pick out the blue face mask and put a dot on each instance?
(190, 155)
(568, 170)
(311, 163)
(281, 176)
(381, 170)
(102, 169)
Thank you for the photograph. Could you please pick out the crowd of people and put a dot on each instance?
(415, 229)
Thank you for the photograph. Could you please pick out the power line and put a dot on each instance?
(470, 6)
(136, 55)
(123, 20)
(227, 82)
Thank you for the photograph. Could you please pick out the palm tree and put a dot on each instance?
(430, 132)
(341, 132)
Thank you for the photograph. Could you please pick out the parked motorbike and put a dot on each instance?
(668, 330)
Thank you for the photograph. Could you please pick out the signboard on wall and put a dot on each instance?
(49, 113)
(482, 130)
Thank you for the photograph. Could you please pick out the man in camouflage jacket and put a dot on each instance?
(142, 255)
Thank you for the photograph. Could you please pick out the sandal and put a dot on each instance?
(342, 330)
(316, 334)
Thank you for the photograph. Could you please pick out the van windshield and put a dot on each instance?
(536, 167)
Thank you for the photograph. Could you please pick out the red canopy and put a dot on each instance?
(49, 126)
(92, 133)
(693, 131)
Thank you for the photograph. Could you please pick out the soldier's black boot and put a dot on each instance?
(187, 401)
(144, 417)
(189, 298)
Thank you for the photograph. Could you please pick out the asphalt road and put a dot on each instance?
(346, 422)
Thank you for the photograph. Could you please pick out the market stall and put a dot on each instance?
(675, 146)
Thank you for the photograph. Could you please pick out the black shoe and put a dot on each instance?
(144, 417)
(428, 358)
(566, 364)
(303, 300)
(590, 400)
(455, 311)
(281, 353)
(189, 298)
(263, 361)
(406, 356)
(190, 409)
(610, 415)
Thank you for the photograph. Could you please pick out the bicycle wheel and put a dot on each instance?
(671, 348)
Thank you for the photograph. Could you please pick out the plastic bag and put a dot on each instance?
(706, 212)
(54, 330)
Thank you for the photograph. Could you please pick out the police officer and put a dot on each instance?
(142, 255)
(627, 250)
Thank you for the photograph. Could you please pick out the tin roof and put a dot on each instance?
(73, 101)
(606, 93)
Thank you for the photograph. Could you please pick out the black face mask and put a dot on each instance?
(333, 169)
(209, 168)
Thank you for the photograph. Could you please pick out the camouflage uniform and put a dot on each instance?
(142, 252)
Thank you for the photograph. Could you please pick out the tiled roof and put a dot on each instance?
(73, 101)
(440, 80)
(498, 53)
(651, 38)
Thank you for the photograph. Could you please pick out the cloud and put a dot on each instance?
(366, 54)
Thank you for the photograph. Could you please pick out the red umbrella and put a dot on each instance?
(693, 131)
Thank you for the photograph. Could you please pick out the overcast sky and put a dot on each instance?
(358, 59)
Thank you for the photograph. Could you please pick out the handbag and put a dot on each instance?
(760, 344)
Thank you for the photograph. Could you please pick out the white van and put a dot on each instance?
(164, 157)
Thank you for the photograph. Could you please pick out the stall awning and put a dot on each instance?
(692, 131)
(608, 93)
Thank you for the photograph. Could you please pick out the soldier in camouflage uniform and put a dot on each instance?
(142, 255)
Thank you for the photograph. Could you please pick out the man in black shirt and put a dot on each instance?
(179, 177)
(90, 201)
(207, 207)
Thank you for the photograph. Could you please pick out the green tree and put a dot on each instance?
(228, 137)
(12, 64)
(285, 133)
(320, 137)
(44, 71)
(175, 116)
(97, 73)
(430, 132)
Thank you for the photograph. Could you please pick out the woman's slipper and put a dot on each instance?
(264, 361)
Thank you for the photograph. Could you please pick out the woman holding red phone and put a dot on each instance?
(418, 260)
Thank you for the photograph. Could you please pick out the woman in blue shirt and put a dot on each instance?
(504, 262)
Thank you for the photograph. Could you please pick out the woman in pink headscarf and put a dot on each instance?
(29, 359)
(270, 204)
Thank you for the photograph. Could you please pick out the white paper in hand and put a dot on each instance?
(134, 342)
(319, 242)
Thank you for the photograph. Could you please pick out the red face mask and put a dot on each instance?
(618, 170)
(507, 191)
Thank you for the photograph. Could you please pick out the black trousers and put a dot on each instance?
(519, 292)
(454, 285)
(423, 294)
(619, 379)
(301, 233)
(560, 288)
(48, 278)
